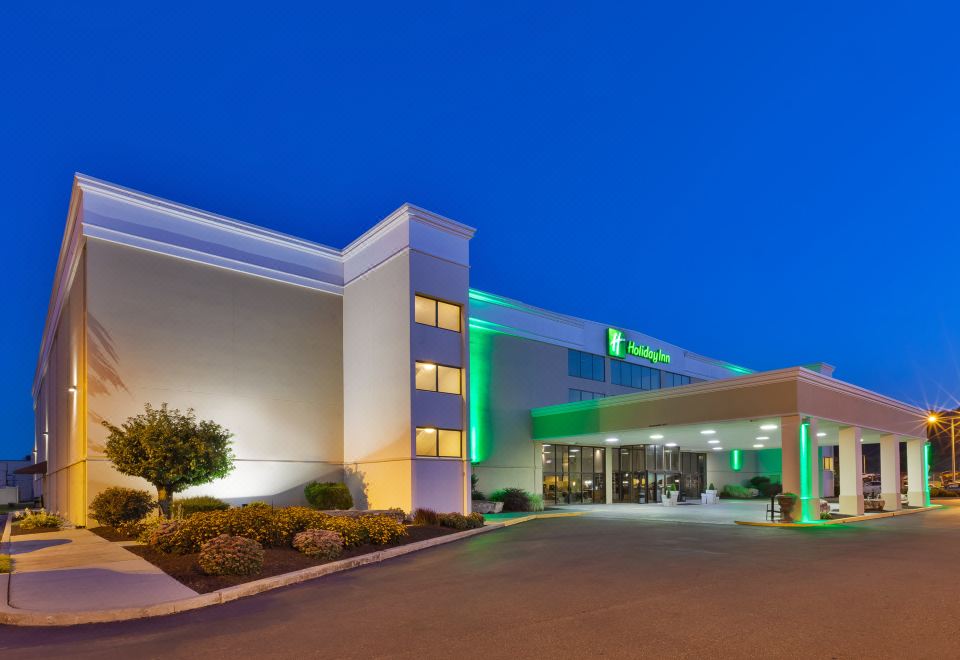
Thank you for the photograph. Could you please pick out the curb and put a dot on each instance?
(16, 617)
(537, 516)
(842, 521)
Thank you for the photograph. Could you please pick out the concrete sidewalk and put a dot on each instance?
(76, 570)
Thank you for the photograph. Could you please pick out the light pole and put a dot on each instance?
(934, 419)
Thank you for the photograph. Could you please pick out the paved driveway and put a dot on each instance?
(586, 587)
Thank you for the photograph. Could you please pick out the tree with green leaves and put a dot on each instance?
(170, 449)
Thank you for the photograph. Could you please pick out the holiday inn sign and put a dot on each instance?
(619, 347)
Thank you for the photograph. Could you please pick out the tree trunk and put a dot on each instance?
(165, 500)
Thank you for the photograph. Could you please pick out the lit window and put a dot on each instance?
(449, 443)
(448, 380)
(426, 376)
(445, 443)
(425, 310)
(828, 463)
(437, 378)
(428, 311)
(448, 316)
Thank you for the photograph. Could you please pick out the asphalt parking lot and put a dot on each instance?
(589, 586)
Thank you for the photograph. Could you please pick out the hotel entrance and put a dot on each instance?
(642, 473)
(573, 475)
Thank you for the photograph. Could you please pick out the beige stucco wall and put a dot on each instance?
(259, 357)
(60, 410)
(378, 379)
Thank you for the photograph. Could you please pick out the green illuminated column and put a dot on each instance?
(736, 460)
(481, 346)
(927, 451)
(800, 464)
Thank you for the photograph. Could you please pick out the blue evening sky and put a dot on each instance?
(767, 183)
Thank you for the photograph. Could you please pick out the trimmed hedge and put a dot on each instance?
(319, 543)
(115, 506)
(328, 495)
(269, 527)
(186, 507)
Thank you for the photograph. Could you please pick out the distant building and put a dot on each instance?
(23, 482)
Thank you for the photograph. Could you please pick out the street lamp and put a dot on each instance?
(933, 419)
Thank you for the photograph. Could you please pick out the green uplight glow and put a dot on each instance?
(481, 345)
(736, 460)
(927, 451)
(806, 484)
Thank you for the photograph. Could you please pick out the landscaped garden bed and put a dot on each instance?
(276, 561)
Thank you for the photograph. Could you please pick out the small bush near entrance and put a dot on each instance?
(474, 520)
(739, 492)
(40, 519)
(536, 501)
(115, 506)
(456, 521)
(231, 555)
(766, 487)
(320, 543)
(514, 499)
(328, 495)
(425, 517)
(937, 491)
(187, 506)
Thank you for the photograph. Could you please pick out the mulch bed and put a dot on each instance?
(111, 534)
(16, 531)
(276, 561)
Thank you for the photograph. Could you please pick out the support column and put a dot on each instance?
(851, 471)
(916, 479)
(608, 473)
(890, 471)
(800, 463)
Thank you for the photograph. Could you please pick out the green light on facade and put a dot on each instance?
(806, 483)
(616, 343)
(927, 452)
(736, 460)
(481, 346)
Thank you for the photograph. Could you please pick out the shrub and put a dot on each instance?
(456, 521)
(116, 506)
(328, 495)
(321, 543)
(381, 530)
(475, 520)
(350, 529)
(162, 534)
(937, 491)
(764, 486)
(514, 499)
(186, 507)
(477, 496)
(6, 564)
(40, 519)
(231, 555)
(536, 501)
(259, 503)
(425, 517)
(290, 521)
(733, 490)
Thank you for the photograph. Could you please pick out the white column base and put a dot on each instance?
(916, 498)
(891, 501)
(851, 505)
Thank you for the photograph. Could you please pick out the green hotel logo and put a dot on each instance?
(619, 347)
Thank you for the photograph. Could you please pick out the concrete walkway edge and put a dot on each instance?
(18, 617)
(843, 521)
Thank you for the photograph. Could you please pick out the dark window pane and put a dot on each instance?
(615, 366)
(646, 377)
(573, 395)
(586, 460)
(586, 365)
(654, 379)
(625, 463)
(573, 362)
(599, 373)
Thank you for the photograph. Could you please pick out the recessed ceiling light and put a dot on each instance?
(718, 449)
(763, 437)
(713, 442)
(656, 436)
(670, 444)
(574, 451)
(612, 440)
(768, 427)
(757, 446)
(822, 434)
(546, 445)
(707, 432)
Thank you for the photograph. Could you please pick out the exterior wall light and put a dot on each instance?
(72, 389)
